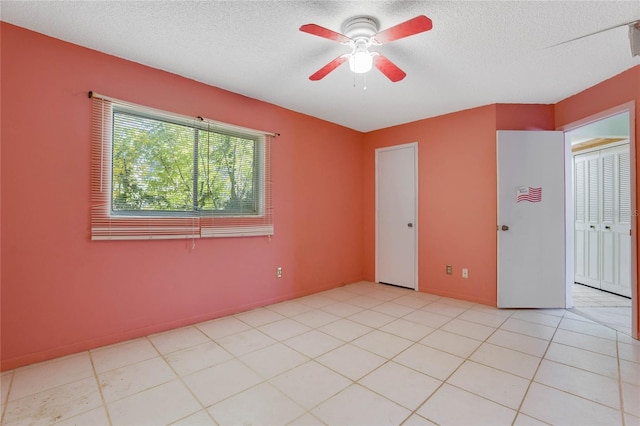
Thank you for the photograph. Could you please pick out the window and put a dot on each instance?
(162, 175)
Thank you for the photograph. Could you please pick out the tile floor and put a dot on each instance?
(362, 354)
(605, 308)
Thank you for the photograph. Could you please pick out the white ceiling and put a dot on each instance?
(478, 52)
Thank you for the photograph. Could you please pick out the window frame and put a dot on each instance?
(199, 125)
(139, 224)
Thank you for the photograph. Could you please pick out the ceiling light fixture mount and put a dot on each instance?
(360, 29)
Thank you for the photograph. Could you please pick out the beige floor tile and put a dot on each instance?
(631, 398)
(416, 420)
(5, 383)
(518, 342)
(245, 342)
(365, 302)
(339, 294)
(180, 338)
(342, 309)
(495, 385)
(345, 329)
(359, 406)
(54, 404)
(411, 301)
(125, 381)
(560, 408)
(316, 301)
(258, 317)
(443, 308)
(190, 360)
(483, 318)
(262, 404)
(283, 329)
(452, 343)
(583, 341)
(381, 343)
(400, 384)
(97, 416)
(216, 383)
(468, 329)
(527, 328)
(351, 361)
(310, 384)
(628, 352)
(407, 329)
(222, 327)
(160, 405)
(313, 343)
(316, 318)
(578, 382)
(538, 317)
(393, 309)
(289, 308)
(371, 318)
(586, 360)
(201, 418)
(50, 374)
(524, 420)
(306, 420)
(507, 360)
(273, 360)
(432, 362)
(631, 420)
(591, 329)
(122, 354)
(430, 319)
(630, 372)
(453, 406)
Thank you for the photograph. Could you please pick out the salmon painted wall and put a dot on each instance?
(62, 293)
(611, 93)
(457, 194)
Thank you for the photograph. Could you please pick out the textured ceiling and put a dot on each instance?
(478, 52)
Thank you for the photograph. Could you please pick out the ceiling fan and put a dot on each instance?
(360, 33)
(634, 36)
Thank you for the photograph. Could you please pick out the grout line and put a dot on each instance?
(533, 376)
(6, 399)
(95, 375)
(620, 386)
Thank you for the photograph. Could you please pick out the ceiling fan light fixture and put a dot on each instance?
(361, 61)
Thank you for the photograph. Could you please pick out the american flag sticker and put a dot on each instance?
(528, 193)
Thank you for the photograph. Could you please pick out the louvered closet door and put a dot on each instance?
(616, 220)
(587, 219)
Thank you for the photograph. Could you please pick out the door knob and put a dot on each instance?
(505, 228)
(592, 226)
(410, 225)
(607, 227)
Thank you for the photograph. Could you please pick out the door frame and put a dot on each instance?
(413, 145)
(630, 108)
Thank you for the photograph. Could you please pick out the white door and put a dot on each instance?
(531, 219)
(615, 226)
(396, 215)
(587, 219)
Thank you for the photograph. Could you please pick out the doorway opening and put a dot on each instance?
(603, 255)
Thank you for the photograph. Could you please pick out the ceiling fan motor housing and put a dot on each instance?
(360, 27)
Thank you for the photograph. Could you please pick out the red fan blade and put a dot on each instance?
(417, 25)
(388, 68)
(322, 72)
(325, 33)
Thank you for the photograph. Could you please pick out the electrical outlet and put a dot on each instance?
(279, 272)
(465, 273)
(449, 270)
